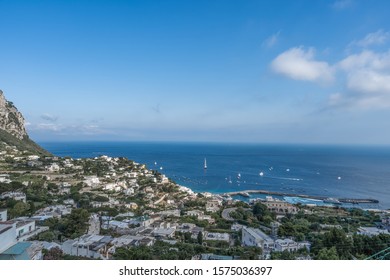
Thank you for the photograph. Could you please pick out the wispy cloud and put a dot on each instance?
(48, 117)
(377, 38)
(64, 129)
(272, 40)
(300, 64)
(342, 4)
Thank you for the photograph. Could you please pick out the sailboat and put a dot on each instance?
(205, 164)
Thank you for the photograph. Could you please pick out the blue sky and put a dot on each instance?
(236, 71)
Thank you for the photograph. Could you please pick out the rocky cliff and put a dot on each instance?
(11, 120)
(12, 130)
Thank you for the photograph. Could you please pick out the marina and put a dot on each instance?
(336, 201)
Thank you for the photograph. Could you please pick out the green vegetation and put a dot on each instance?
(25, 144)
(182, 251)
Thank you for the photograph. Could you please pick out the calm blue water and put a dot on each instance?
(353, 172)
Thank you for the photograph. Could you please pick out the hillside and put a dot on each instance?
(13, 131)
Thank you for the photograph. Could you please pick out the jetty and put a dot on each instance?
(247, 193)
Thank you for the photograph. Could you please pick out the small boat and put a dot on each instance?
(205, 164)
(261, 174)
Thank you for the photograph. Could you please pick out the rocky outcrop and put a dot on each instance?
(12, 130)
(11, 120)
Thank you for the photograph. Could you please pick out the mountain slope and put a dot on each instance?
(13, 131)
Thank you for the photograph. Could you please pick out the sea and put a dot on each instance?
(317, 170)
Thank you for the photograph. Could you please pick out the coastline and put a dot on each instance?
(317, 175)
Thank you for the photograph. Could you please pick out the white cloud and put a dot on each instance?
(272, 40)
(363, 77)
(299, 64)
(373, 39)
(368, 72)
(367, 80)
(342, 4)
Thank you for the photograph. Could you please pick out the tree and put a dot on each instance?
(53, 254)
(328, 254)
(200, 238)
(48, 236)
(19, 209)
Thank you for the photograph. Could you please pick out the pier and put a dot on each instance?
(246, 193)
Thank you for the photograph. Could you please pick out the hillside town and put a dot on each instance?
(114, 208)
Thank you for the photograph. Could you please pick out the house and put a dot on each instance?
(4, 178)
(115, 225)
(163, 232)
(54, 211)
(91, 181)
(170, 213)
(236, 227)
(112, 187)
(164, 179)
(195, 213)
(7, 235)
(26, 229)
(213, 205)
(212, 257)
(147, 241)
(22, 251)
(217, 236)
(19, 196)
(3, 215)
(286, 245)
(89, 246)
(280, 207)
(33, 157)
(12, 235)
(371, 231)
(53, 167)
(255, 237)
(207, 218)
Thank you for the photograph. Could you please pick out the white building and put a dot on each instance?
(217, 236)
(19, 196)
(286, 245)
(371, 231)
(7, 235)
(213, 205)
(3, 215)
(91, 181)
(53, 167)
(195, 213)
(90, 246)
(280, 207)
(33, 157)
(163, 232)
(255, 237)
(112, 187)
(4, 178)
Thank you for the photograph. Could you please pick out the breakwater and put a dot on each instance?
(247, 193)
